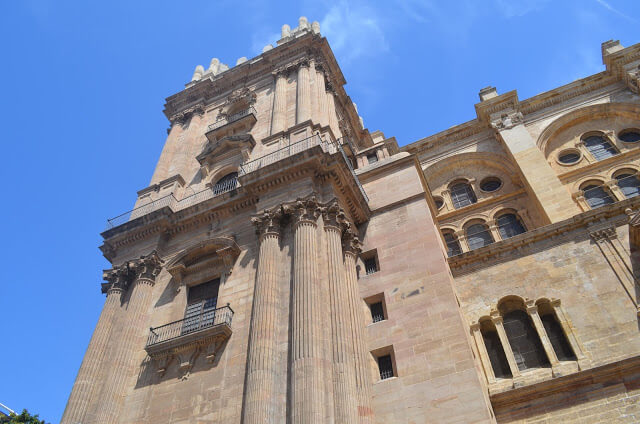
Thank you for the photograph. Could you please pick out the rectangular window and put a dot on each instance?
(385, 365)
(201, 306)
(372, 158)
(370, 265)
(377, 312)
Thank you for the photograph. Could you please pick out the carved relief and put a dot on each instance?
(304, 210)
(268, 222)
(507, 121)
(184, 116)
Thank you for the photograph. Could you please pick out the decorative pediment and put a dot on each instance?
(242, 144)
(223, 250)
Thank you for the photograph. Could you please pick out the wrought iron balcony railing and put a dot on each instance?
(191, 327)
(233, 118)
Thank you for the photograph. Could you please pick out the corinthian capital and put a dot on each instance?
(117, 278)
(334, 216)
(147, 267)
(351, 244)
(303, 210)
(268, 222)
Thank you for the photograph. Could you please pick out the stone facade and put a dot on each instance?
(287, 265)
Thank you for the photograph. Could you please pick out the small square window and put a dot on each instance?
(372, 158)
(385, 366)
(370, 265)
(377, 312)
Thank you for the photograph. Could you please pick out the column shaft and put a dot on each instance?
(321, 91)
(261, 404)
(482, 352)
(344, 380)
(511, 359)
(86, 384)
(303, 109)
(333, 117)
(542, 333)
(279, 114)
(363, 378)
(307, 392)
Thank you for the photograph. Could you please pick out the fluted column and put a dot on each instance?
(261, 403)
(352, 248)
(303, 109)
(307, 356)
(344, 380)
(321, 90)
(122, 364)
(279, 114)
(333, 116)
(83, 393)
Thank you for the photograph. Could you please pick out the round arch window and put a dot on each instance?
(569, 157)
(439, 202)
(630, 136)
(490, 184)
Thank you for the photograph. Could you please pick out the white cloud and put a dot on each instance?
(354, 31)
(614, 10)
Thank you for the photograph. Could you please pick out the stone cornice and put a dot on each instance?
(509, 249)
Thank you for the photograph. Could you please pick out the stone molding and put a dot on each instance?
(120, 277)
(225, 248)
(186, 114)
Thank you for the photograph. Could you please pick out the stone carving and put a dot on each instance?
(507, 121)
(334, 216)
(351, 244)
(118, 278)
(304, 210)
(147, 267)
(183, 117)
(268, 222)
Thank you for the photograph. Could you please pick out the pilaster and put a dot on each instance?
(279, 114)
(303, 93)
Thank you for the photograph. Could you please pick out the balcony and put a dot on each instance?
(249, 115)
(198, 330)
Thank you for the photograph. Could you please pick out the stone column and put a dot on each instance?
(461, 235)
(482, 352)
(307, 366)
(344, 380)
(303, 93)
(321, 90)
(493, 229)
(532, 310)
(583, 361)
(279, 114)
(261, 401)
(352, 248)
(134, 322)
(333, 116)
(86, 385)
(502, 335)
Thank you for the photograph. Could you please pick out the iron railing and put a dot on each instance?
(282, 153)
(147, 208)
(189, 325)
(233, 118)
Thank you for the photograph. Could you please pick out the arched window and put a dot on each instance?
(599, 147)
(497, 357)
(226, 183)
(559, 341)
(453, 246)
(629, 183)
(523, 338)
(509, 225)
(462, 195)
(478, 236)
(596, 196)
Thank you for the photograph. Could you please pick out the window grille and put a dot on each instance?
(496, 354)
(599, 147)
(462, 195)
(524, 341)
(453, 247)
(509, 225)
(596, 196)
(227, 183)
(629, 184)
(372, 158)
(370, 265)
(385, 365)
(377, 312)
(559, 341)
(478, 236)
(201, 305)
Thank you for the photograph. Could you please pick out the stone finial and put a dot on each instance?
(241, 60)
(488, 93)
(223, 68)
(286, 31)
(197, 74)
(303, 23)
(355, 106)
(610, 47)
(315, 27)
(267, 48)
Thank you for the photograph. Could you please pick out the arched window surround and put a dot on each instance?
(478, 234)
(462, 192)
(516, 228)
(596, 194)
(599, 151)
(542, 310)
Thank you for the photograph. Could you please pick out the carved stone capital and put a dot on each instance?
(603, 234)
(507, 121)
(147, 267)
(334, 217)
(303, 210)
(351, 244)
(183, 116)
(118, 278)
(268, 222)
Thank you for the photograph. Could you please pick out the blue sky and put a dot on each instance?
(84, 86)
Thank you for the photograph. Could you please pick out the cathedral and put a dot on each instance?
(287, 265)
